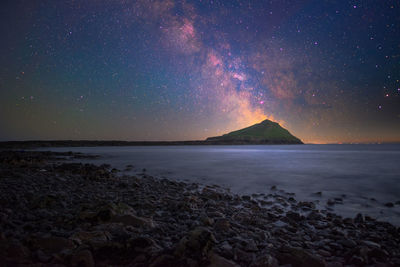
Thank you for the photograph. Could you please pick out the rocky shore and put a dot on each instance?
(53, 212)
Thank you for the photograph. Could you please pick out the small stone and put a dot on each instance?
(207, 221)
(330, 202)
(359, 218)
(389, 204)
(197, 244)
(222, 224)
(370, 244)
(348, 243)
(243, 256)
(134, 221)
(82, 258)
(251, 246)
(324, 253)
(357, 260)
(94, 238)
(294, 216)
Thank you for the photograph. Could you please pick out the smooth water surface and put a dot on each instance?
(356, 173)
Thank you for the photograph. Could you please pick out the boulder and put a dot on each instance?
(197, 244)
(82, 258)
(265, 261)
(95, 239)
(298, 257)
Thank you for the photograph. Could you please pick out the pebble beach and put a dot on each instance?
(57, 213)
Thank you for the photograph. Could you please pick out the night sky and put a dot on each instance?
(328, 71)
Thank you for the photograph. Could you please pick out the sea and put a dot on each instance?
(362, 178)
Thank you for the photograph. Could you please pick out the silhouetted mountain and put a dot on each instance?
(265, 132)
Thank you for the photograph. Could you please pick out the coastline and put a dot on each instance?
(97, 143)
(54, 212)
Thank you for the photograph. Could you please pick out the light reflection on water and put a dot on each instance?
(360, 172)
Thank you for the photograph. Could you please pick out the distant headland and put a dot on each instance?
(263, 133)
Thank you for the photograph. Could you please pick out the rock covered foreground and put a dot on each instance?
(58, 213)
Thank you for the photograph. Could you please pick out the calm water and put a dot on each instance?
(360, 172)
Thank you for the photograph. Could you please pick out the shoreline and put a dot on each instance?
(54, 212)
(99, 143)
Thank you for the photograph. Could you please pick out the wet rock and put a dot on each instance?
(294, 216)
(298, 257)
(197, 244)
(314, 215)
(243, 257)
(370, 244)
(359, 218)
(246, 198)
(330, 202)
(348, 243)
(226, 250)
(211, 194)
(389, 205)
(222, 224)
(306, 205)
(250, 246)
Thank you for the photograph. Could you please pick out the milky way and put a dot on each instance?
(181, 70)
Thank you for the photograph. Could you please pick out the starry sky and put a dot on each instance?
(328, 71)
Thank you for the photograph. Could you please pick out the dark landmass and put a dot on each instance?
(57, 213)
(265, 132)
(91, 143)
